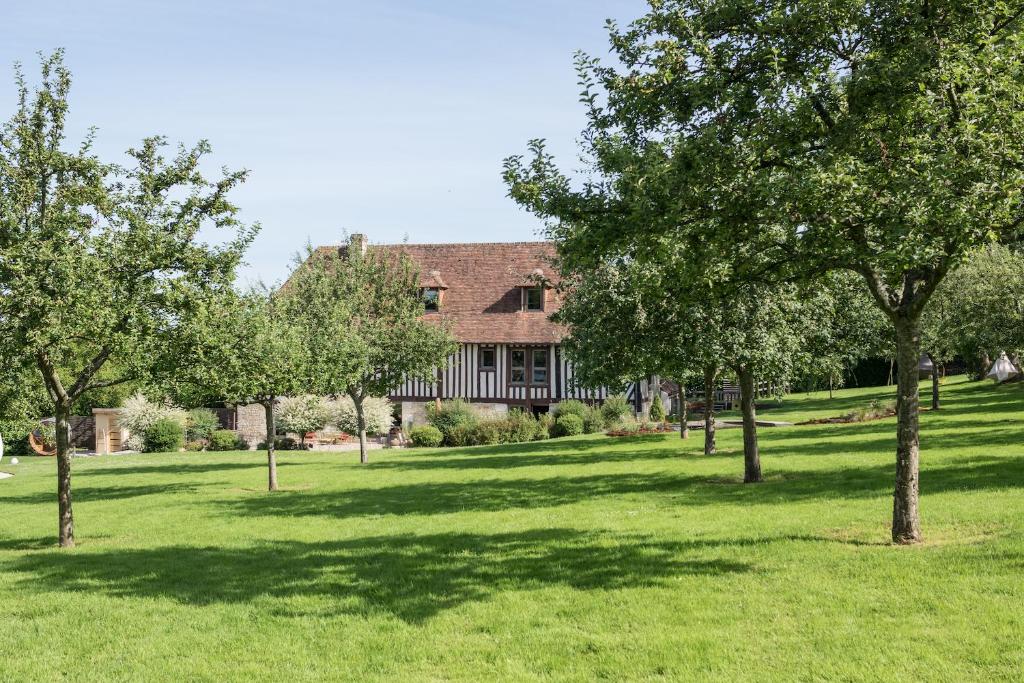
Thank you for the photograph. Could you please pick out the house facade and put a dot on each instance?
(498, 298)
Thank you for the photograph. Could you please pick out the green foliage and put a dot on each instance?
(738, 147)
(454, 418)
(103, 263)
(488, 432)
(519, 426)
(165, 435)
(977, 310)
(200, 424)
(195, 446)
(657, 411)
(593, 420)
(552, 529)
(568, 425)
(226, 440)
(426, 436)
(362, 320)
(615, 408)
(571, 407)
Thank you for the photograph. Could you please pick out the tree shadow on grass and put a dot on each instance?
(180, 468)
(88, 494)
(511, 457)
(411, 577)
(489, 495)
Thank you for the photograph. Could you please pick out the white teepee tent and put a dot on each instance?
(1003, 369)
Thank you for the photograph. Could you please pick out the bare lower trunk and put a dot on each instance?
(935, 382)
(357, 400)
(271, 446)
(751, 454)
(709, 410)
(906, 524)
(65, 517)
(684, 428)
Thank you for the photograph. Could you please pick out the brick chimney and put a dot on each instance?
(357, 244)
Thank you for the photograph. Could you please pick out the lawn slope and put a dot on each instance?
(576, 559)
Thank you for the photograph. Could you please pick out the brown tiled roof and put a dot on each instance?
(483, 283)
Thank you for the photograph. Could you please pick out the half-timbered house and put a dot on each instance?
(498, 298)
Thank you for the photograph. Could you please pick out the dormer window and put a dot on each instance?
(431, 299)
(533, 298)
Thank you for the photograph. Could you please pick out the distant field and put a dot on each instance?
(576, 559)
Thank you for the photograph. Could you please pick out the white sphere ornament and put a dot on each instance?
(14, 461)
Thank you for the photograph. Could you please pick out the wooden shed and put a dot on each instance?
(110, 436)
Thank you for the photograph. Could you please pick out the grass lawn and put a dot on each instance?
(576, 559)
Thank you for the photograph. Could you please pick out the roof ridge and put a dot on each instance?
(440, 244)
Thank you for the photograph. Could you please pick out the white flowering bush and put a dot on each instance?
(376, 411)
(138, 414)
(301, 414)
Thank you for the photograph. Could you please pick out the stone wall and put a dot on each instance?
(251, 423)
(415, 412)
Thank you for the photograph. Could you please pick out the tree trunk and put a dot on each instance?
(361, 427)
(935, 382)
(906, 524)
(751, 455)
(268, 407)
(710, 373)
(684, 428)
(66, 520)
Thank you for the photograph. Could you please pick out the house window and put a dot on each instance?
(540, 366)
(533, 298)
(517, 366)
(431, 298)
(487, 357)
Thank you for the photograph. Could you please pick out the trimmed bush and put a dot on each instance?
(281, 443)
(200, 423)
(593, 420)
(164, 436)
(614, 409)
(426, 436)
(568, 425)
(226, 440)
(195, 446)
(571, 407)
(657, 411)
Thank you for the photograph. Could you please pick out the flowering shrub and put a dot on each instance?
(302, 414)
(378, 413)
(138, 414)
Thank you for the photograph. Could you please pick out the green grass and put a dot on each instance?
(577, 559)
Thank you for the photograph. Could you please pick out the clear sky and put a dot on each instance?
(387, 117)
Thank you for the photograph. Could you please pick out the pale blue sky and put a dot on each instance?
(389, 118)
